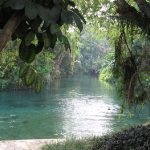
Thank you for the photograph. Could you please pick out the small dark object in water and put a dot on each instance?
(25, 122)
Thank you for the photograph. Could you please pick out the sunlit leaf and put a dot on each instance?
(29, 38)
(38, 85)
(30, 77)
(54, 28)
(23, 69)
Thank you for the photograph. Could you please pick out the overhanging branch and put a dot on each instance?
(130, 14)
(144, 7)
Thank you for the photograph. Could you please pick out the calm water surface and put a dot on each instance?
(74, 107)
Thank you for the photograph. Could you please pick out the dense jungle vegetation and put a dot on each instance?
(40, 42)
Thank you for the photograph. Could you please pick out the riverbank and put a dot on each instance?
(135, 138)
(35, 144)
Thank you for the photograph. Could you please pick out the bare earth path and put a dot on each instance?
(27, 144)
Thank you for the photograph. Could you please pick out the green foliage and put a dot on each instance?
(27, 54)
(73, 144)
(4, 84)
(42, 21)
(42, 17)
(38, 84)
(45, 59)
(92, 53)
(46, 23)
(9, 67)
(32, 75)
(106, 72)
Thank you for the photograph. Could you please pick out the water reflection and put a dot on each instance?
(76, 106)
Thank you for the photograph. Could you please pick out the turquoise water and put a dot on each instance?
(78, 106)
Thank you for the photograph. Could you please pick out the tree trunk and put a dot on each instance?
(56, 72)
(9, 29)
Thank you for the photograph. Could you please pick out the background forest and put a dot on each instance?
(79, 42)
(114, 46)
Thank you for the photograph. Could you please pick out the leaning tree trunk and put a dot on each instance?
(56, 72)
(9, 29)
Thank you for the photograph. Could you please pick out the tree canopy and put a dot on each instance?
(27, 20)
(41, 24)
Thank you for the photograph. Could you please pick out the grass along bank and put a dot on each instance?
(135, 138)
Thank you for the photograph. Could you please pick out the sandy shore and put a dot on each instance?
(27, 144)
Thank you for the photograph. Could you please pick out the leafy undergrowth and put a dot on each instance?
(135, 138)
(83, 144)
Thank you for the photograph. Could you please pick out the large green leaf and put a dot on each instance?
(22, 29)
(78, 22)
(66, 42)
(38, 84)
(57, 2)
(77, 12)
(16, 4)
(53, 41)
(27, 54)
(31, 10)
(60, 36)
(49, 15)
(40, 45)
(55, 13)
(23, 70)
(30, 77)
(67, 16)
(29, 38)
(46, 40)
(54, 28)
(44, 13)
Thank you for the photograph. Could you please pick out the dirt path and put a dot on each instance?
(27, 144)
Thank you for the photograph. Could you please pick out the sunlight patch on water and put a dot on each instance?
(72, 107)
(89, 115)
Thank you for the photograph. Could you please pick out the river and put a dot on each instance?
(78, 106)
